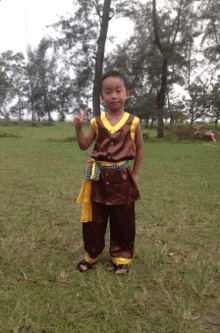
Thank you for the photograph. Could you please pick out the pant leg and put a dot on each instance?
(94, 231)
(122, 230)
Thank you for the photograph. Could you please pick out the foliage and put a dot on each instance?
(214, 103)
(189, 133)
(42, 74)
(142, 61)
(196, 106)
(210, 13)
(12, 82)
(84, 35)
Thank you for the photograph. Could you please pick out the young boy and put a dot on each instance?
(110, 187)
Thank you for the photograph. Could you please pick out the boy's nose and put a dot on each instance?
(114, 95)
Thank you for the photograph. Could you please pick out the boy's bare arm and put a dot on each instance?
(84, 140)
(139, 152)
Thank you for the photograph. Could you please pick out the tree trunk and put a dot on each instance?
(216, 122)
(100, 57)
(161, 99)
(19, 108)
(5, 115)
(160, 123)
(147, 121)
(32, 108)
(152, 123)
(170, 112)
(171, 119)
(161, 93)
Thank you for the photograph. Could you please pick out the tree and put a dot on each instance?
(214, 107)
(41, 71)
(31, 72)
(172, 37)
(139, 57)
(5, 92)
(63, 91)
(12, 83)
(209, 12)
(196, 105)
(100, 56)
(83, 37)
(19, 83)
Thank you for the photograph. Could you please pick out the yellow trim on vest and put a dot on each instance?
(113, 129)
(121, 261)
(134, 126)
(85, 191)
(90, 260)
(94, 125)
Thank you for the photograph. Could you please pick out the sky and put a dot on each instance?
(24, 22)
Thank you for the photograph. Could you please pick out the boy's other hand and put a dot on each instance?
(78, 120)
(135, 178)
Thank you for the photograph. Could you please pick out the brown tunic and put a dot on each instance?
(114, 187)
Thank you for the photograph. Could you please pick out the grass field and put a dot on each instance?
(174, 281)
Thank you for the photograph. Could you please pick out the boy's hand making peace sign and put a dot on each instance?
(78, 120)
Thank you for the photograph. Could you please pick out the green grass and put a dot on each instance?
(174, 281)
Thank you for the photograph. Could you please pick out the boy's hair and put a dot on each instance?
(114, 73)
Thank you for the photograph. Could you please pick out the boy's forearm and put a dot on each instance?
(137, 161)
(82, 142)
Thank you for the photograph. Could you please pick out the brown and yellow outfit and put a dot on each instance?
(113, 194)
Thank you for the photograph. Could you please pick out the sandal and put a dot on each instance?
(120, 269)
(84, 263)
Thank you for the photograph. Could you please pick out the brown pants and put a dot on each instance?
(122, 230)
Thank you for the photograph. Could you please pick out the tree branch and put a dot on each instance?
(178, 21)
(156, 29)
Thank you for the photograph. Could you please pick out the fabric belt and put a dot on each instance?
(94, 168)
(92, 172)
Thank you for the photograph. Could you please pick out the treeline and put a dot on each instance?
(175, 45)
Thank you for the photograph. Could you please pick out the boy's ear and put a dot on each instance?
(102, 96)
(128, 93)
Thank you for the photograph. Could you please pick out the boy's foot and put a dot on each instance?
(119, 269)
(84, 266)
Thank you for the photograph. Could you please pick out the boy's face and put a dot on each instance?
(114, 93)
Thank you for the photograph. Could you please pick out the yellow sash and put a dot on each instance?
(85, 192)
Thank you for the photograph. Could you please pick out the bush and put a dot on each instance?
(48, 123)
(7, 135)
(9, 123)
(188, 133)
(34, 124)
(145, 136)
(70, 139)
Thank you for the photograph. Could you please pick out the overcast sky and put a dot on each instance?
(24, 22)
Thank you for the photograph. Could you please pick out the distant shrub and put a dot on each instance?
(14, 122)
(26, 123)
(48, 123)
(145, 136)
(9, 123)
(34, 124)
(7, 135)
(189, 133)
(70, 139)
